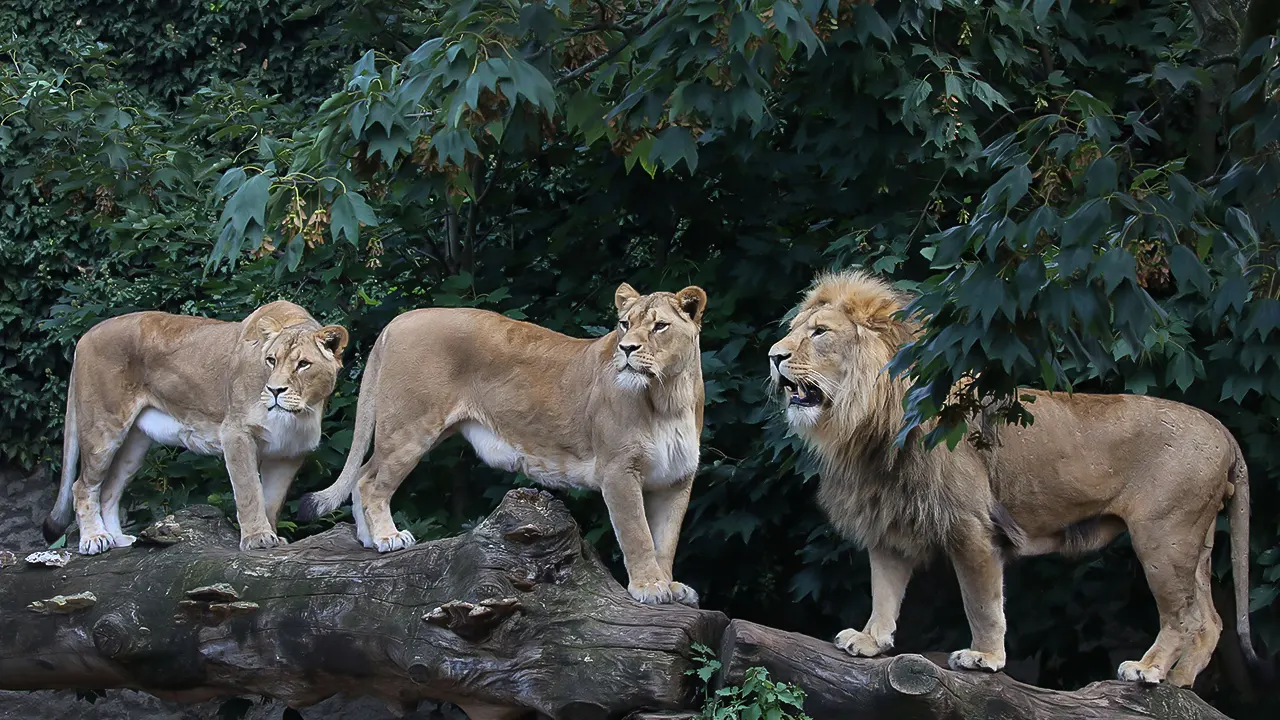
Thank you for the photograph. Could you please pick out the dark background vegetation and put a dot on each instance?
(1084, 194)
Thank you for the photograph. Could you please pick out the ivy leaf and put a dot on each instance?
(348, 212)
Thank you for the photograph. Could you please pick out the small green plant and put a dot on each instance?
(757, 697)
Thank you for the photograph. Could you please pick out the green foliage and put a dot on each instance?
(756, 698)
(1075, 197)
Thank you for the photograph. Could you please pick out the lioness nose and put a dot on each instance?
(628, 349)
(276, 390)
(777, 358)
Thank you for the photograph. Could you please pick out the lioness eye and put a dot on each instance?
(818, 331)
(303, 364)
(624, 324)
(659, 327)
(271, 362)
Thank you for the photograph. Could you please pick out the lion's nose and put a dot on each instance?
(777, 358)
(628, 349)
(276, 391)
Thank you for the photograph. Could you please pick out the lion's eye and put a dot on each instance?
(818, 331)
(271, 362)
(624, 325)
(660, 326)
(303, 364)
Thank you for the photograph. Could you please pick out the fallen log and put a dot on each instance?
(911, 686)
(518, 617)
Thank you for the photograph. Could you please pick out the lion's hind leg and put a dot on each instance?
(1170, 553)
(127, 462)
(1204, 639)
(395, 454)
(101, 437)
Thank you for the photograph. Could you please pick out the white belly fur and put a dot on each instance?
(672, 455)
(498, 453)
(283, 434)
(161, 427)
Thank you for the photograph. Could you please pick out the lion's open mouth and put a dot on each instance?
(801, 394)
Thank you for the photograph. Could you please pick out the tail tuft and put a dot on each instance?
(311, 506)
(54, 529)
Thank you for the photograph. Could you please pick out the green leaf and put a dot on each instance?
(348, 212)
(1040, 10)
(230, 179)
(1262, 597)
(1188, 271)
(796, 29)
(674, 144)
(249, 203)
(1012, 186)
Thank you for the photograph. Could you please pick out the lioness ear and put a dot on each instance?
(269, 327)
(333, 340)
(692, 301)
(624, 296)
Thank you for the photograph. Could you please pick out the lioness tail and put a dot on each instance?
(63, 510)
(322, 502)
(1239, 510)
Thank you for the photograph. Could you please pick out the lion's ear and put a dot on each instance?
(624, 297)
(692, 301)
(269, 327)
(333, 340)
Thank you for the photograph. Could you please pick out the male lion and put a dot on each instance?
(253, 392)
(621, 414)
(1088, 468)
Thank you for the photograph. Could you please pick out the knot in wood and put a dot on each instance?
(476, 621)
(913, 675)
(161, 532)
(526, 534)
(111, 636)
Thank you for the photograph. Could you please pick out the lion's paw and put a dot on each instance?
(398, 541)
(860, 644)
(95, 544)
(1132, 671)
(684, 594)
(261, 541)
(122, 540)
(654, 593)
(974, 660)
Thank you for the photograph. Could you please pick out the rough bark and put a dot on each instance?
(516, 618)
(910, 686)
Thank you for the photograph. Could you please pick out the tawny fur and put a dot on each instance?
(565, 411)
(1087, 469)
(253, 392)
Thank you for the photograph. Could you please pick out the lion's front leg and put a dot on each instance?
(240, 452)
(277, 476)
(665, 508)
(624, 498)
(890, 574)
(981, 575)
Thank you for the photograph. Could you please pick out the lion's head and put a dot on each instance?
(828, 368)
(657, 334)
(302, 364)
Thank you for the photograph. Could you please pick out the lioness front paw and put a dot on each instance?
(398, 541)
(860, 644)
(95, 544)
(974, 660)
(261, 541)
(654, 593)
(684, 594)
(1132, 671)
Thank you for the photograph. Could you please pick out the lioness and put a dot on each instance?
(1089, 468)
(621, 414)
(252, 391)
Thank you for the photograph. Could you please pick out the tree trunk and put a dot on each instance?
(516, 618)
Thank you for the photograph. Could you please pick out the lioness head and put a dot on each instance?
(657, 334)
(828, 367)
(302, 364)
